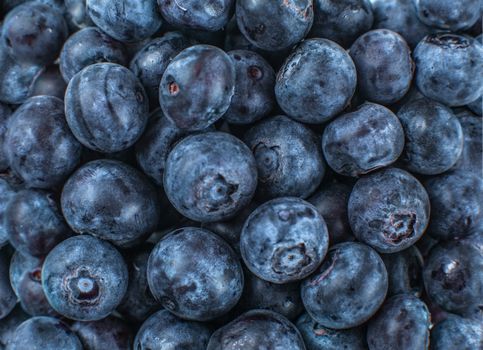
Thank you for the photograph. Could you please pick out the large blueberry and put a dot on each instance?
(449, 68)
(448, 14)
(110, 333)
(434, 137)
(8, 299)
(195, 274)
(110, 200)
(39, 145)
(288, 156)
(472, 156)
(210, 176)
(197, 87)
(257, 329)
(84, 278)
(384, 65)
(284, 240)
(125, 20)
(457, 333)
(5, 113)
(359, 142)
(348, 288)
(316, 82)
(164, 330)
(106, 107)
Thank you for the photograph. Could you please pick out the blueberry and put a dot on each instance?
(384, 65)
(112, 201)
(205, 15)
(257, 329)
(331, 201)
(10, 323)
(109, 333)
(44, 333)
(400, 16)
(151, 61)
(274, 25)
(402, 323)
(195, 274)
(456, 206)
(50, 83)
(34, 33)
(38, 143)
(34, 223)
(25, 277)
(316, 82)
(389, 210)
(88, 46)
(197, 87)
(5, 114)
(8, 299)
(254, 97)
(453, 274)
(476, 106)
(341, 21)
(284, 240)
(348, 288)
(84, 278)
(76, 14)
(472, 156)
(219, 176)
(434, 137)
(7, 192)
(125, 20)
(163, 330)
(447, 14)
(404, 271)
(449, 67)
(318, 337)
(362, 141)
(288, 156)
(113, 92)
(456, 333)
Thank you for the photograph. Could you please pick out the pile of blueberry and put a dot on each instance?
(241, 175)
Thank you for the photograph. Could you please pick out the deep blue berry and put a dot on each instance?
(50, 83)
(472, 156)
(10, 323)
(7, 192)
(448, 14)
(8, 299)
(456, 333)
(5, 113)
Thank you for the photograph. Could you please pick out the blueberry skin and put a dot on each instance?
(456, 206)
(369, 138)
(164, 330)
(331, 202)
(8, 299)
(254, 96)
(384, 65)
(25, 277)
(404, 270)
(389, 210)
(76, 15)
(39, 145)
(34, 223)
(316, 82)
(284, 240)
(113, 92)
(125, 20)
(453, 274)
(456, 333)
(109, 333)
(112, 201)
(138, 303)
(402, 323)
(151, 61)
(274, 25)
(434, 137)
(449, 15)
(88, 46)
(50, 83)
(318, 337)
(449, 67)
(288, 156)
(257, 329)
(34, 33)
(476, 106)
(219, 176)
(400, 16)
(84, 278)
(44, 333)
(195, 274)
(338, 295)
(341, 21)
(472, 156)
(5, 114)
(193, 14)
(7, 192)
(10, 323)
(197, 87)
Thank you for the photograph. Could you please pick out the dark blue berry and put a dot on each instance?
(10, 323)
(5, 113)
(7, 192)
(456, 333)
(8, 299)
(472, 156)
(448, 14)
(50, 83)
